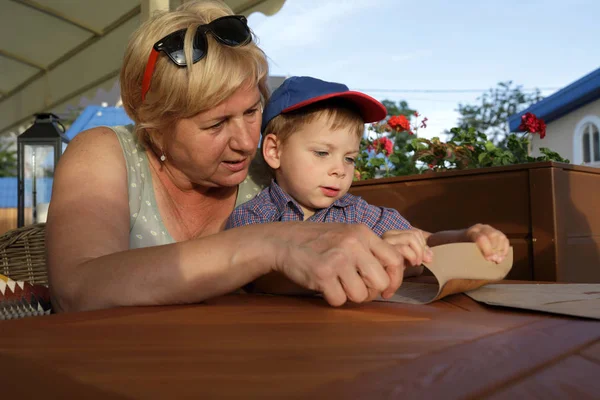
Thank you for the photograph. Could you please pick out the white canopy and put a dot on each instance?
(54, 52)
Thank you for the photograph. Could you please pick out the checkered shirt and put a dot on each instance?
(274, 204)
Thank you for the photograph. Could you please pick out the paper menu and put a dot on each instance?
(576, 299)
(457, 267)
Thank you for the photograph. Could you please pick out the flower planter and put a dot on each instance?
(549, 211)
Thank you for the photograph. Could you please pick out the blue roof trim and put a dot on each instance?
(9, 196)
(577, 94)
(79, 124)
(93, 116)
(8, 193)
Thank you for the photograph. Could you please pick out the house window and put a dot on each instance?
(586, 144)
(596, 140)
(586, 148)
(591, 143)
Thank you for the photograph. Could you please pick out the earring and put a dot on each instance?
(163, 157)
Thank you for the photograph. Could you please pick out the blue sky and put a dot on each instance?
(392, 48)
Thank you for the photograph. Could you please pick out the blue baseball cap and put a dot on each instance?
(300, 91)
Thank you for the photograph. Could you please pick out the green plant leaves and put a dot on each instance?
(467, 149)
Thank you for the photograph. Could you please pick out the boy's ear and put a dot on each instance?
(271, 149)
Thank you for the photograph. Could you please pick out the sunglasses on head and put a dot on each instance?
(231, 30)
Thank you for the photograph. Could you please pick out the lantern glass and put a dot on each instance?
(39, 149)
(38, 174)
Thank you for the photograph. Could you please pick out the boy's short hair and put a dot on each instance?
(339, 114)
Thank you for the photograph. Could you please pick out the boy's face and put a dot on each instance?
(316, 164)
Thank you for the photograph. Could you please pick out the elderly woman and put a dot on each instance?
(138, 212)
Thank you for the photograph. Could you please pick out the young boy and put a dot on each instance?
(311, 136)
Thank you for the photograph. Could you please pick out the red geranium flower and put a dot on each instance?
(399, 123)
(541, 128)
(532, 124)
(384, 145)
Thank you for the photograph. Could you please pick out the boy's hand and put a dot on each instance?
(411, 244)
(493, 244)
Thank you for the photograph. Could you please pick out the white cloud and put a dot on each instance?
(304, 23)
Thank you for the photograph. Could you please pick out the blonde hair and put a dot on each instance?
(337, 112)
(182, 92)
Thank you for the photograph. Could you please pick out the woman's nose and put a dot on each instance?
(243, 137)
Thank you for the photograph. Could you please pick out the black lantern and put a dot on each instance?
(39, 149)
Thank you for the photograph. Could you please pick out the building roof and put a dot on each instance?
(569, 98)
(93, 116)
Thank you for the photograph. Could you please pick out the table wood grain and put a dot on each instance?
(259, 346)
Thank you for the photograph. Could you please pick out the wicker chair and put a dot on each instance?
(23, 254)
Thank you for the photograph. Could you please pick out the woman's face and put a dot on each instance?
(215, 148)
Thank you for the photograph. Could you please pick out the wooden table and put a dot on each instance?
(252, 346)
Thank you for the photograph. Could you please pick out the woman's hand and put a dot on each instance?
(342, 261)
(493, 244)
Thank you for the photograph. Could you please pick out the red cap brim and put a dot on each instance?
(370, 109)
